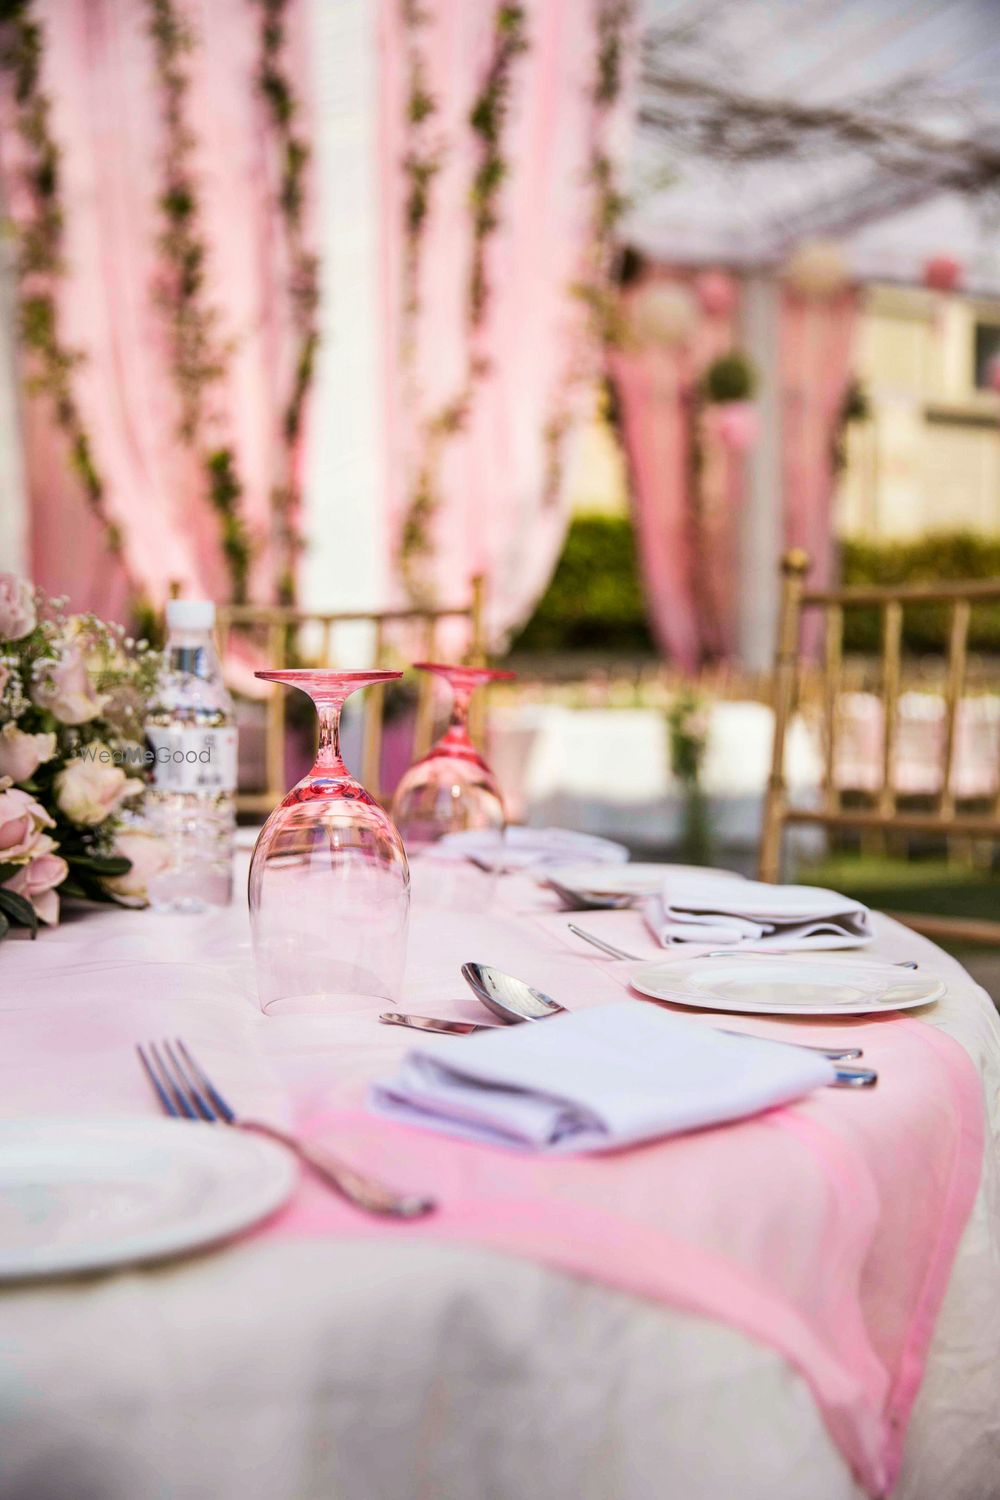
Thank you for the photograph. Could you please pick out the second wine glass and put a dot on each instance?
(452, 789)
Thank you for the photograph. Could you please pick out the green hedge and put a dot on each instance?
(932, 558)
(595, 603)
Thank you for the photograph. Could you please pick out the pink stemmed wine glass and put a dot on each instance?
(329, 879)
(452, 788)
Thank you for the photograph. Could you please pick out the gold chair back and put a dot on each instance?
(883, 814)
(279, 625)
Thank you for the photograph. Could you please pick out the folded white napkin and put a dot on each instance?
(594, 1080)
(524, 848)
(713, 908)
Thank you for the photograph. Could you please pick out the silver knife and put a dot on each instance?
(431, 1023)
(846, 1077)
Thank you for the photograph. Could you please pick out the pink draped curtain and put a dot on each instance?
(688, 563)
(495, 512)
(98, 69)
(690, 571)
(816, 346)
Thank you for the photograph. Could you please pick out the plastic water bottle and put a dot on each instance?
(191, 738)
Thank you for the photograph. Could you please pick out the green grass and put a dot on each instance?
(930, 886)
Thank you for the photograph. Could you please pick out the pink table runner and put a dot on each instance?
(827, 1229)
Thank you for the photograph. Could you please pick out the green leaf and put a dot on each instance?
(7, 870)
(20, 909)
(98, 864)
(4, 927)
(75, 890)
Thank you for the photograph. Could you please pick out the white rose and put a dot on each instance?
(149, 855)
(21, 753)
(90, 788)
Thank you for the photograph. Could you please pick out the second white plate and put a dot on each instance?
(787, 986)
(632, 879)
(84, 1194)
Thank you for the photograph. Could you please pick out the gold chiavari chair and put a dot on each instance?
(277, 626)
(884, 813)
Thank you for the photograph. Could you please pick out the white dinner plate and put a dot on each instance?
(787, 986)
(635, 878)
(81, 1194)
(524, 848)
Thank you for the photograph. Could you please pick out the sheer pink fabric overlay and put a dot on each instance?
(98, 68)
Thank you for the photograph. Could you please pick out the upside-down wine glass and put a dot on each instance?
(453, 789)
(329, 879)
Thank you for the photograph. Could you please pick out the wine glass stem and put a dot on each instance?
(460, 707)
(328, 758)
(458, 725)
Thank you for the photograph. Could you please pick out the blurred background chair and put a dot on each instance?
(894, 763)
(257, 636)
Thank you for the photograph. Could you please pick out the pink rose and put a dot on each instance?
(21, 754)
(90, 787)
(21, 822)
(64, 687)
(17, 607)
(36, 882)
(4, 674)
(149, 855)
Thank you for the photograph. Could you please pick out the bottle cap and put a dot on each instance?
(190, 614)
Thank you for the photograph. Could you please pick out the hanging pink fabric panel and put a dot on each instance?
(98, 68)
(816, 348)
(494, 511)
(688, 561)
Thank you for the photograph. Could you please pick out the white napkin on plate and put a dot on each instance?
(594, 1080)
(524, 848)
(710, 908)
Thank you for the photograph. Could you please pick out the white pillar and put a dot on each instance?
(343, 566)
(761, 530)
(14, 520)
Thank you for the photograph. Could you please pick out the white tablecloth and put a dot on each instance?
(382, 1371)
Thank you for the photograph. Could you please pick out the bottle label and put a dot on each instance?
(187, 759)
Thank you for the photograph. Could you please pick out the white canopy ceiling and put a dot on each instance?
(875, 121)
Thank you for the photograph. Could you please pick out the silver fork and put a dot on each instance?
(186, 1092)
(613, 952)
(835, 1054)
(596, 942)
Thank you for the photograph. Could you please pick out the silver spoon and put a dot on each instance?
(574, 900)
(509, 998)
(513, 1000)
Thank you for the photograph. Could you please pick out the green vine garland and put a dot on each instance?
(487, 119)
(199, 357)
(275, 86)
(421, 163)
(612, 20)
(51, 362)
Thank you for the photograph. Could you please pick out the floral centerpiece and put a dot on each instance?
(73, 696)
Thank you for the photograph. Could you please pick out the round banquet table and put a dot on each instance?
(390, 1368)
